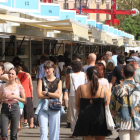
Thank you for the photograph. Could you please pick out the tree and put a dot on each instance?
(132, 25)
(126, 5)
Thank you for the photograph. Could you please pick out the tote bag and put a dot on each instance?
(109, 120)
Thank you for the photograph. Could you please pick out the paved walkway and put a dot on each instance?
(33, 134)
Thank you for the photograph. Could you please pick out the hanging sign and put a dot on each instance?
(91, 22)
(26, 6)
(81, 19)
(67, 14)
(50, 10)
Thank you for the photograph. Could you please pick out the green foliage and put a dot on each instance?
(132, 25)
(126, 5)
(129, 24)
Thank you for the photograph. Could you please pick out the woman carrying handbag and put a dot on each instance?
(50, 115)
(90, 106)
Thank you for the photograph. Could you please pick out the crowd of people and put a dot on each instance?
(80, 88)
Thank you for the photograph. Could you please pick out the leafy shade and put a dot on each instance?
(132, 25)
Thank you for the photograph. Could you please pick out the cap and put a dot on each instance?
(134, 58)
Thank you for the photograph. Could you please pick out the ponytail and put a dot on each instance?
(94, 84)
(92, 74)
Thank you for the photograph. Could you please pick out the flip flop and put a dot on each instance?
(34, 127)
(72, 136)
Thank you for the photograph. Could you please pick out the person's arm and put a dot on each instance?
(57, 72)
(58, 92)
(4, 78)
(114, 75)
(113, 80)
(31, 84)
(77, 100)
(22, 94)
(113, 103)
(68, 81)
(41, 94)
(137, 78)
(108, 93)
(2, 96)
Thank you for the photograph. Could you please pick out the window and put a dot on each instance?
(107, 15)
(66, 5)
(97, 15)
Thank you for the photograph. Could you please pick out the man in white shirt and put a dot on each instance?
(114, 57)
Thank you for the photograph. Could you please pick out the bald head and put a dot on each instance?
(92, 56)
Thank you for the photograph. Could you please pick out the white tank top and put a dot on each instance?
(78, 79)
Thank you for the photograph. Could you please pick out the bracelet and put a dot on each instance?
(47, 94)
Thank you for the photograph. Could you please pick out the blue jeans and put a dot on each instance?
(53, 118)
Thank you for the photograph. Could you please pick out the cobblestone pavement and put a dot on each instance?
(33, 134)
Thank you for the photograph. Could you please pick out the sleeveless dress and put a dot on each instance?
(91, 120)
(28, 106)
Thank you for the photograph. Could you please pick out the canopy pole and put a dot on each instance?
(3, 48)
(50, 48)
(101, 50)
(15, 43)
(30, 57)
(71, 51)
(43, 46)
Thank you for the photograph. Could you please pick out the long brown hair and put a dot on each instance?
(92, 74)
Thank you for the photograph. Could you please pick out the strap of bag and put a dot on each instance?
(73, 82)
(105, 95)
(22, 77)
(45, 84)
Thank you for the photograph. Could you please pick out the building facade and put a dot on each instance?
(91, 4)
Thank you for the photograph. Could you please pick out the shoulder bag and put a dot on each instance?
(109, 120)
(73, 83)
(53, 104)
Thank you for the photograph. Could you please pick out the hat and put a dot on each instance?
(134, 58)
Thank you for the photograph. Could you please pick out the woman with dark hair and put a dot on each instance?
(12, 93)
(73, 80)
(61, 62)
(26, 82)
(54, 86)
(101, 70)
(109, 71)
(90, 107)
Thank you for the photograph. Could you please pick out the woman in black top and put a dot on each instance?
(54, 92)
(90, 108)
(109, 69)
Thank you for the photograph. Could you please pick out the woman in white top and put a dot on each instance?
(61, 62)
(101, 69)
(74, 80)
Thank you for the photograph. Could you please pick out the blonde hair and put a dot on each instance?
(8, 66)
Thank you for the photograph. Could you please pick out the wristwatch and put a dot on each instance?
(47, 93)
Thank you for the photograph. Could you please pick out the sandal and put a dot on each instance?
(19, 129)
(72, 136)
(34, 127)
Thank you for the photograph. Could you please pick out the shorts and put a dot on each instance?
(21, 111)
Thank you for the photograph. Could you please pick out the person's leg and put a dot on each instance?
(124, 135)
(43, 123)
(68, 117)
(4, 124)
(134, 135)
(72, 112)
(99, 137)
(66, 100)
(54, 125)
(15, 118)
(89, 138)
